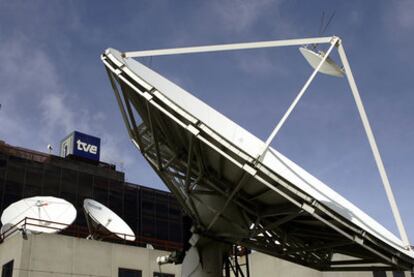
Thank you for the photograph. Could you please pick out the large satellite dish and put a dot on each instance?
(39, 214)
(103, 222)
(234, 191)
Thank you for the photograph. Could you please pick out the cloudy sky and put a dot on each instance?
(53, 82)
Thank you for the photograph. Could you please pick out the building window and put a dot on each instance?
(379, 274)
(398, 274)
(159, 274)
(126, 272)
(7, 270)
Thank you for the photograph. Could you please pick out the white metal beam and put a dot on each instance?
(226, 47)
(373, 145)
(333, 42)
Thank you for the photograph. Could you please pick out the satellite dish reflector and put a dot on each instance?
(40, 214)
(103, 222)
(6, 230)
(329, 67)
(300, 219)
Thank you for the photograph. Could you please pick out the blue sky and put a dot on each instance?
(53, 82)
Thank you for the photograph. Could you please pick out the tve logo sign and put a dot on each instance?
(86, 146)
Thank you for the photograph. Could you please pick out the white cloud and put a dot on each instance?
(398, 21)
(38, 109)
(404, 14)
(34, 98)
(239, 15)
(111, 150)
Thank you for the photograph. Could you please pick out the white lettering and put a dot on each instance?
(85, 147)
(79, 144)
(94, 149)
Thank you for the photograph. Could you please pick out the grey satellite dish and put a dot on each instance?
(314, 58)
(7, 230)
(234, 193)
(103, 222)
(40, 214)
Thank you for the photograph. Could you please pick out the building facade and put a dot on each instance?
(53, 255)
(155, 216)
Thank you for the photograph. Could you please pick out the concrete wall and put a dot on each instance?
(265, 265)
(57, 255)
(11, 249)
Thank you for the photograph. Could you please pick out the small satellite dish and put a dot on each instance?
(103, 222)
(329, 67)
(6, 230)
(39, 214)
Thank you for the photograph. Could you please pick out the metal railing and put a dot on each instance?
(29, 226)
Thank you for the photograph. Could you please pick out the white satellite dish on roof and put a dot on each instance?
(39, 214)
(102, 221)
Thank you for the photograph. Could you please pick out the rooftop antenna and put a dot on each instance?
(50, 148)
(323, 27)
(39, 214)
(314, 56)
(103, 222)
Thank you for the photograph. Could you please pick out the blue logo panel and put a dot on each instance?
(86, 146)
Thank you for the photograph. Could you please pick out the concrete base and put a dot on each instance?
(205, 259)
